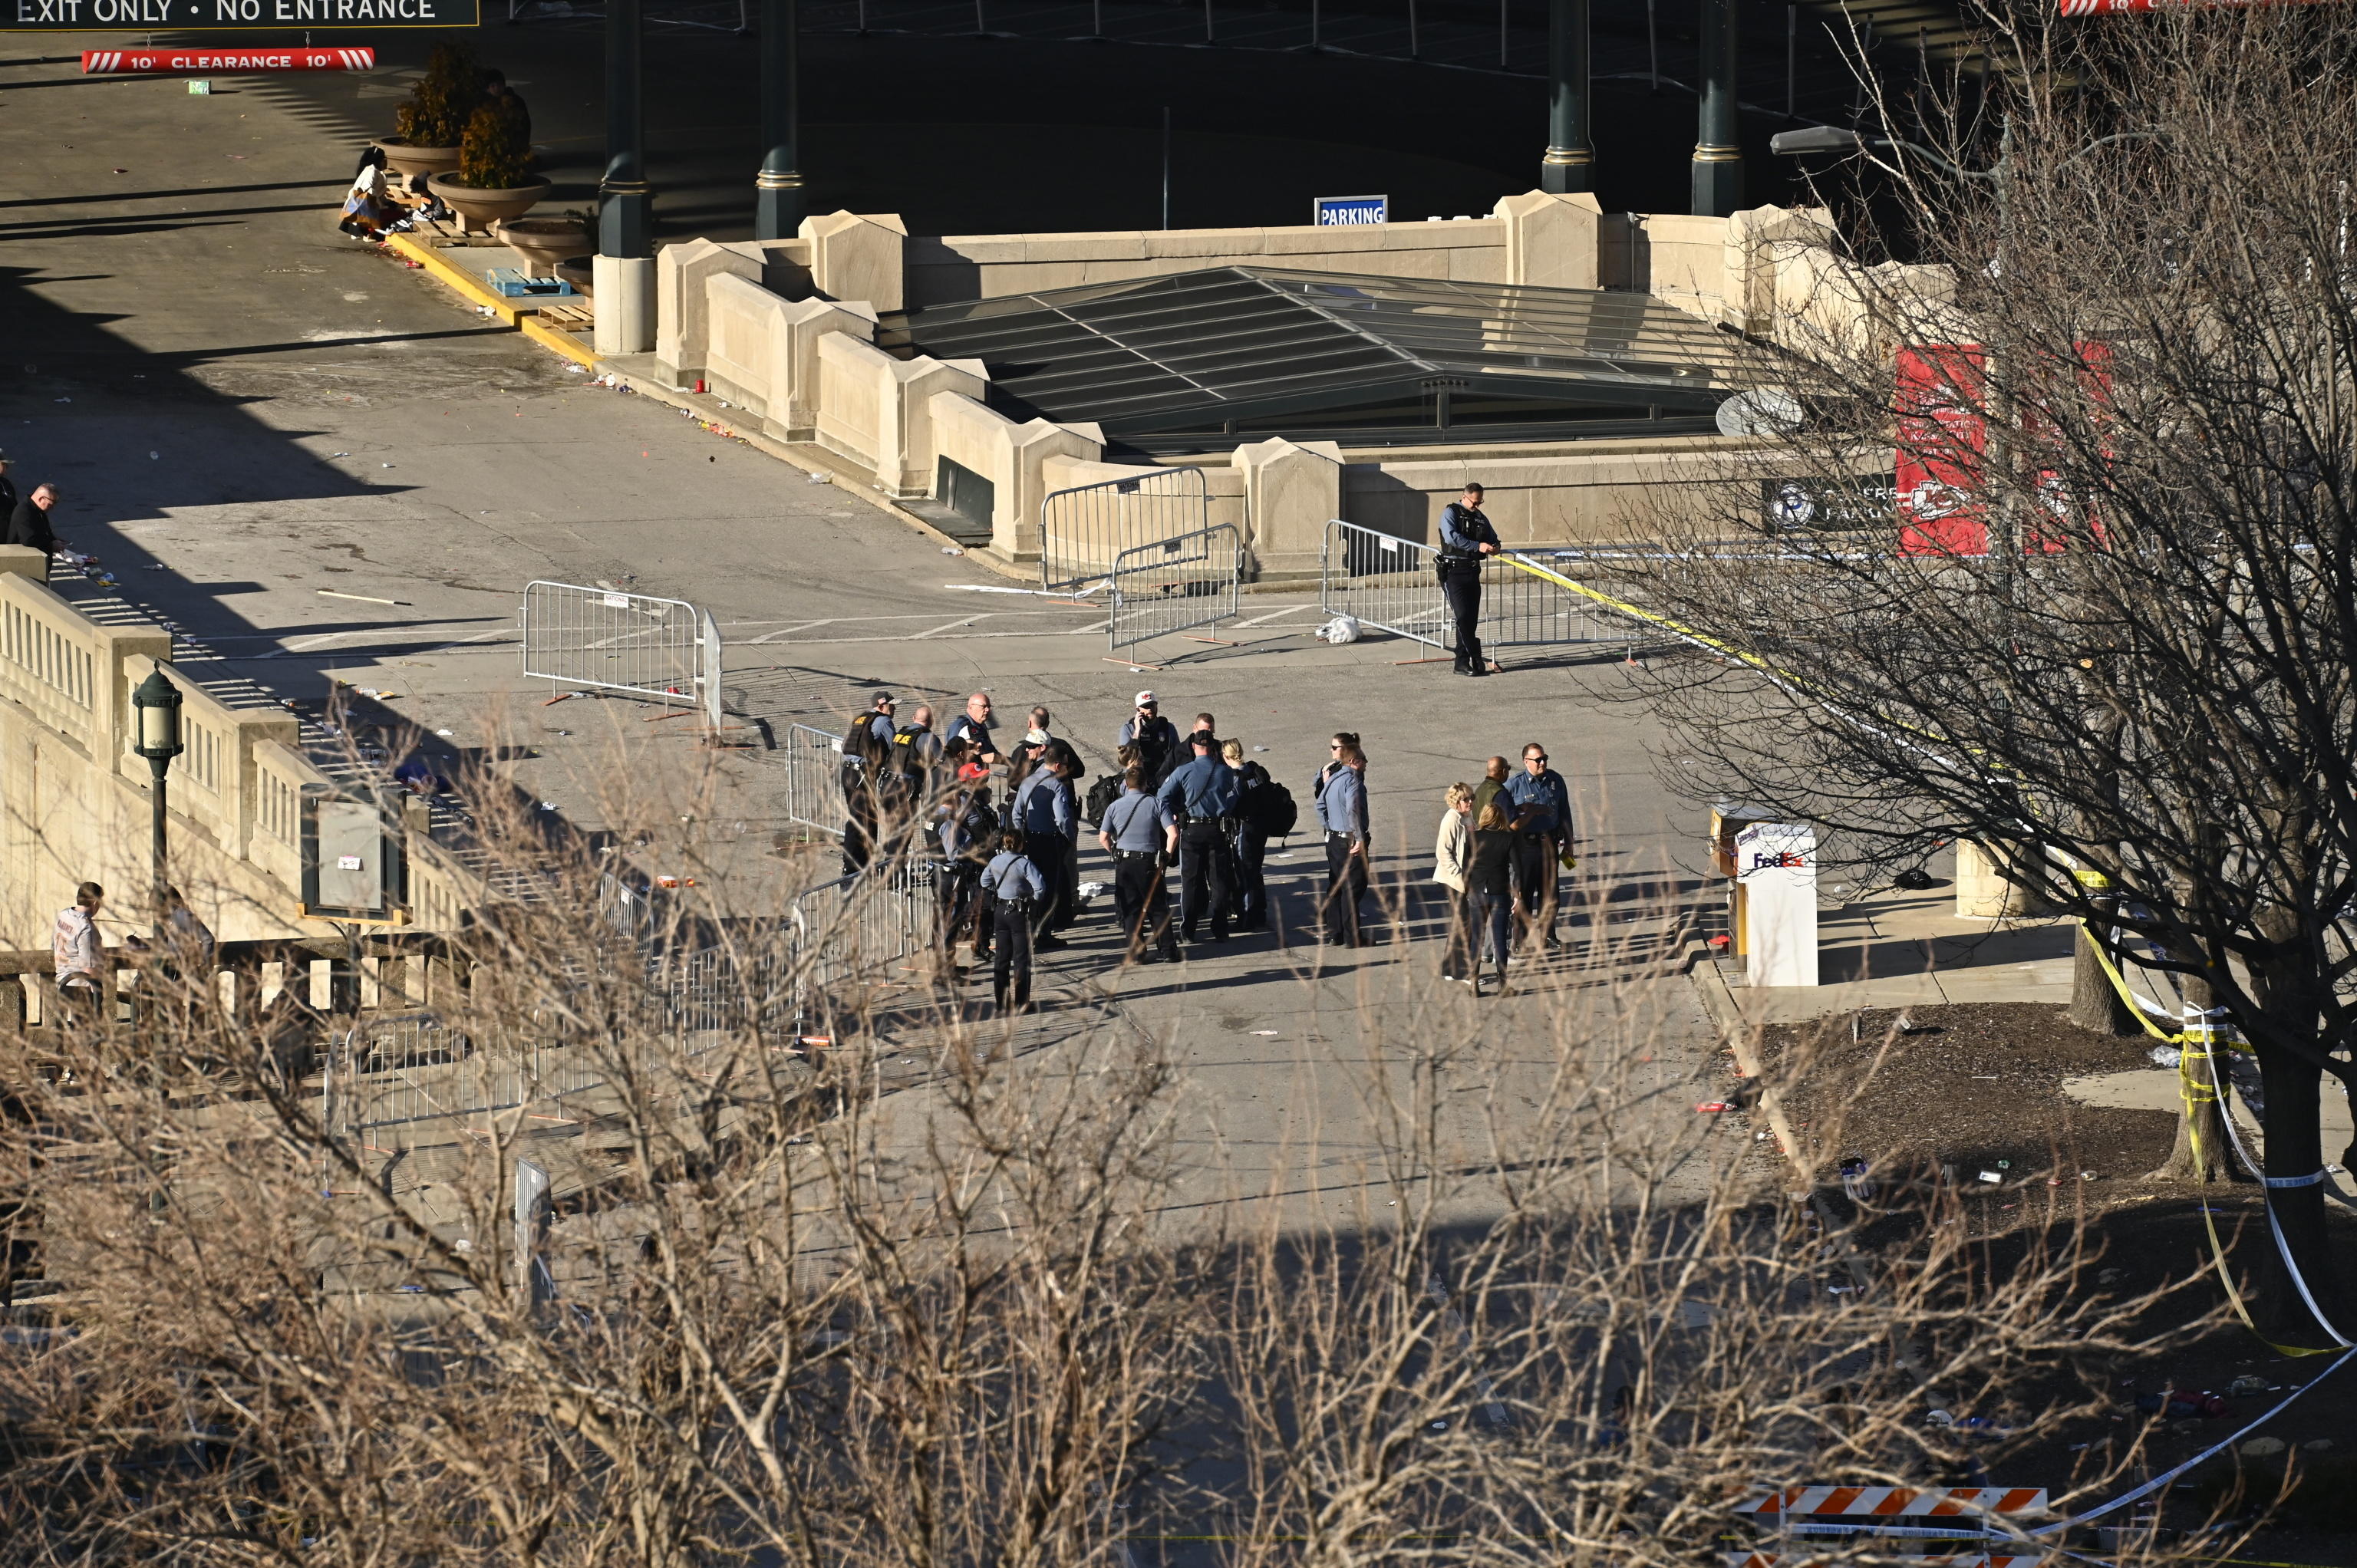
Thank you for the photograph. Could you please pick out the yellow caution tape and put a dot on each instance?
(2194, 1045)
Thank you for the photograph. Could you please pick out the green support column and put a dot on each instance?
(1570, 162)
(778, 200)
(1718, 154)
(626, 201)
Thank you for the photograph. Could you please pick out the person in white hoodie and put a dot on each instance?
(1452, 856)
(78, 959)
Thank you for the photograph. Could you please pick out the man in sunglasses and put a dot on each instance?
(1156, 739)
(1540, 805)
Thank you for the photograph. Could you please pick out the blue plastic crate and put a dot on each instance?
(511, 283)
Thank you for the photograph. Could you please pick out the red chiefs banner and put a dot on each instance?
(216, 62)
(1944, 443)
(1942, 439)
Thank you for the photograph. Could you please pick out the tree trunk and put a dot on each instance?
(2200, 1153)
(2096, 1002)
(2296, 1148)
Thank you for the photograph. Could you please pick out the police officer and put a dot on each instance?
(864, 747)
(1156, 737)
(1342, 813)
(1466, 537)
(1541, 803)
(1200, 797)
(1136, 833)
(1016, 889)
(1046, 812)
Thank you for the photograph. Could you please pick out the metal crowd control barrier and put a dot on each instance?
(814, 779)
(1388, 584)
(848, 932)
(1084, 530)
(410, 1068)
(663, 648)
(1174, 585)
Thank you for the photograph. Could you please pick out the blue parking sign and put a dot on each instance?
(1330, 211)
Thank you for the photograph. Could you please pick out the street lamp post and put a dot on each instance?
(157, 706)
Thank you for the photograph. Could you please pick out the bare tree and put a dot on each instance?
(802, 1303)
(2104, 633)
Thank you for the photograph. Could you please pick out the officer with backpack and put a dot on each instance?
(1156, 737)
(1016, 889)
(1200, 798)
(1136, 833)
(860, 775)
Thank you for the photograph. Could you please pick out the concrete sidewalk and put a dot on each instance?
(1897, 948)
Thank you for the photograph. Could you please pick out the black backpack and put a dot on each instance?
(1101, 795)
(1273, 810)
(980, 829)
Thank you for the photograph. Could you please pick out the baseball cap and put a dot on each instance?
(883, 700)
(1144, 700)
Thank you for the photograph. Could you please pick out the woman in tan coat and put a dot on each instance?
(1452, 856)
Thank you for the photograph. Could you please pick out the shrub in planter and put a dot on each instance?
(492, 155)
(442, 102)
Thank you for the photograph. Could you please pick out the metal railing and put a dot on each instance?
(409, 1069)
(666, 649)
(1084, 530)
(849, 933)
(814, 779)
(1388, 584)
(1174, 585)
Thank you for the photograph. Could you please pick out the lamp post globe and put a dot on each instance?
(156, 735)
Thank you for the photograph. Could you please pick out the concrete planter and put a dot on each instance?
(481, 208)
(580, 271)
(410, 162)
(540, 242)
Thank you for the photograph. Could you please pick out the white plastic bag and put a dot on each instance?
(1339, 630)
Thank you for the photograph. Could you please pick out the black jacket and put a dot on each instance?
(29, 524)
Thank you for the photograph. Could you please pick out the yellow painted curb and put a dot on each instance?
(564, 343)
(429, 258)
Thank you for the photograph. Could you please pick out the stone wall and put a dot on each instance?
(787, 332)
(75, 802)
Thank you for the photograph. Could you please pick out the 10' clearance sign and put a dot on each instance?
(186, 62)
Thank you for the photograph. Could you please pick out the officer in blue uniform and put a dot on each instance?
(1201, 797)
(1016, 890)
(1466, 537)
(1542, 817)
(1044, 808)
(1137, 833)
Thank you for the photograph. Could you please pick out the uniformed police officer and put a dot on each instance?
(1466, 537)
(1016, 890)
(1136, 833)
(1541, 803)
(1200, 798)
(1342, 813)
(1044, 808)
